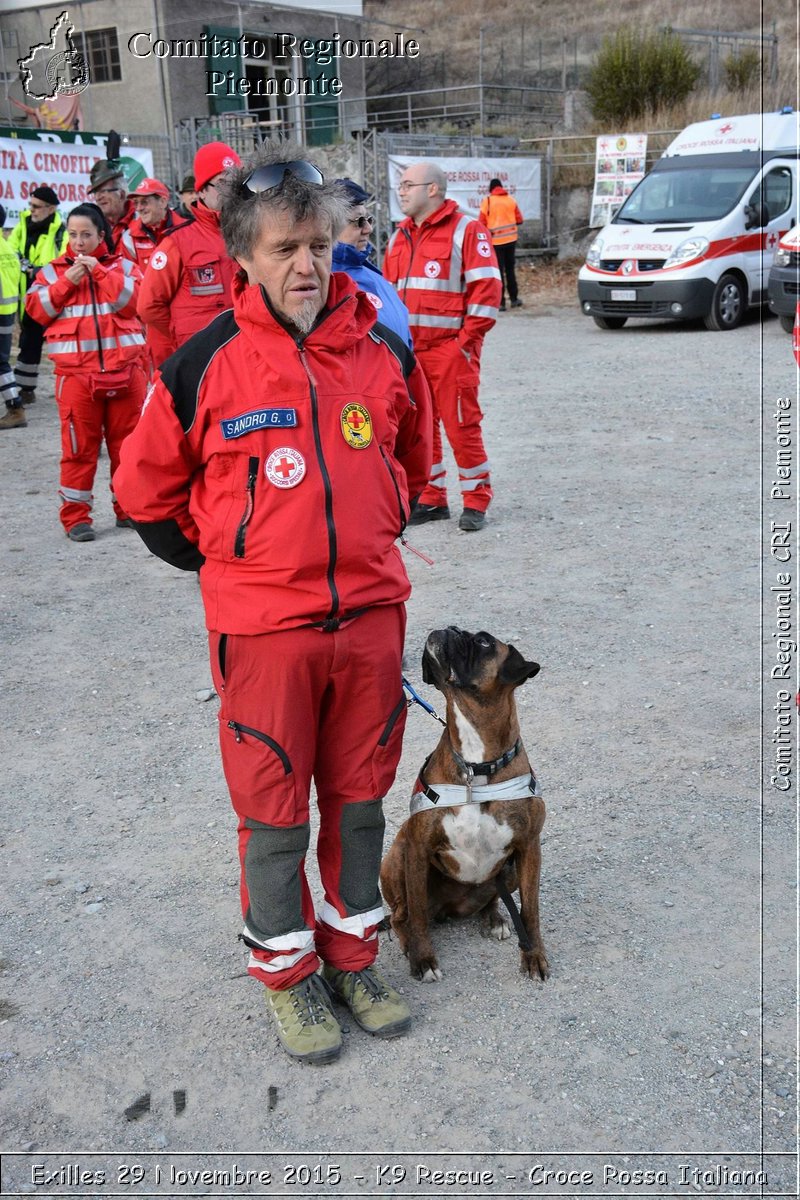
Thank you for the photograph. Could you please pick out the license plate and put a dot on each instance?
(623, 293)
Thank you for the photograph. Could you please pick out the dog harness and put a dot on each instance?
(451, 795)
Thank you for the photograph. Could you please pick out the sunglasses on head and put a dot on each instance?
(264, 179)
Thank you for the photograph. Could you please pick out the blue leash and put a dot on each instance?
(416, 699)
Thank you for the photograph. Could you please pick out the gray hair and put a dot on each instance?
(242, 211)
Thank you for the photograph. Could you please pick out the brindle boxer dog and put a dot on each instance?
(476, 809)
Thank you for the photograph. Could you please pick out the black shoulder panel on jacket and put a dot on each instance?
(400, 349)
(183, 371)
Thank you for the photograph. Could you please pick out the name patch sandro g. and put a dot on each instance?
(260, 418)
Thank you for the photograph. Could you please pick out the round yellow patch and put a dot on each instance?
(356, 426)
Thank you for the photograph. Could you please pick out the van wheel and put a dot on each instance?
(609, 322)
(787, 323)
(727, 304)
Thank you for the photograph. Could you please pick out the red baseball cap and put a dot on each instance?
(212, 159)
(151, 187)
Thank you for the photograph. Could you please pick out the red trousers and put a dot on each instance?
(454, 383)
(299, 705)
(91, 407)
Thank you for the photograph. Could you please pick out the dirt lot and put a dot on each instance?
(623, 554)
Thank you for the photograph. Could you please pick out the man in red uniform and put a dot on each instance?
(153, 221)
(445, 269)
(188, 279)
(109, 191)
(279, 453)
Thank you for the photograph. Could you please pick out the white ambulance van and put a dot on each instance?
(696, 237)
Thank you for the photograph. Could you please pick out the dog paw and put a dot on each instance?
(426, 970)
(534, 963)
(499, 929)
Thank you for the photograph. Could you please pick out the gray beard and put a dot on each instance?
(304, 319)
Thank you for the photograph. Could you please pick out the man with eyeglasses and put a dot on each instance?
(280, 453)
(108, 189)
(352, 254)
(38, 238)
(188, 279)
(444, 266)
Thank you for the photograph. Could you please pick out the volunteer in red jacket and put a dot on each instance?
(279, 453)
(501, 216)
(86, 301)
(445, 269)
(188, 280)
(153, 221)
(109, 191)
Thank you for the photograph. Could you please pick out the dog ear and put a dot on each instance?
(516, 669)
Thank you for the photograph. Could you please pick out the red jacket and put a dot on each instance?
(187, 283)
(283, 468)
(140, 240)
(123, 224)
(90, 326)
(446, 273)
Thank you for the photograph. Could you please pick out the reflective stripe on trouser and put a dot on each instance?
(88, 411)
(301, 704)
(8, 388)
(31, 337)
(454, 386)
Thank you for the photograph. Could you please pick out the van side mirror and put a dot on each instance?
(756, 216)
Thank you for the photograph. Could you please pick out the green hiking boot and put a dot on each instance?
(376, 1007)
(307, 1028)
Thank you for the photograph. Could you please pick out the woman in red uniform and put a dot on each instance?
(86, 300)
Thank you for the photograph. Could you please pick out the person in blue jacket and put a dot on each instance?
(351, 255)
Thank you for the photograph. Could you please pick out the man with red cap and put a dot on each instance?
(188, 279)
(153, 221)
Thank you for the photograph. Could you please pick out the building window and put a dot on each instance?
(100, 48)
(270, 92)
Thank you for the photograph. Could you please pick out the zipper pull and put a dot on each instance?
(232, 725)
(414, 550)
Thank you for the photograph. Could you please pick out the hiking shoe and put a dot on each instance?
(307, 1028)
(471, 520)
(81, 533)
(429, 512)
(14, 419)
(376, 1007)
(501, 308)
(125, 523)
(516, 304)
(27, 395)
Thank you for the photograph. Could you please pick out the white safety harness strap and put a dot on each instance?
(449, 795)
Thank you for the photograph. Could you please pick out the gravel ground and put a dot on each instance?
(623, 554)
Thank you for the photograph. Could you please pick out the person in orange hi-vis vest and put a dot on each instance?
(501, 216)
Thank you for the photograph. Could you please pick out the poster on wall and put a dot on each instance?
(62, 160)
(619, 165)
(468, 182)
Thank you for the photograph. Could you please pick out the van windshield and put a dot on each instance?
(681, 193)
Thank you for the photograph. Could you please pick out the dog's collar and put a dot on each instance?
(449, 795)
(470, 769)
